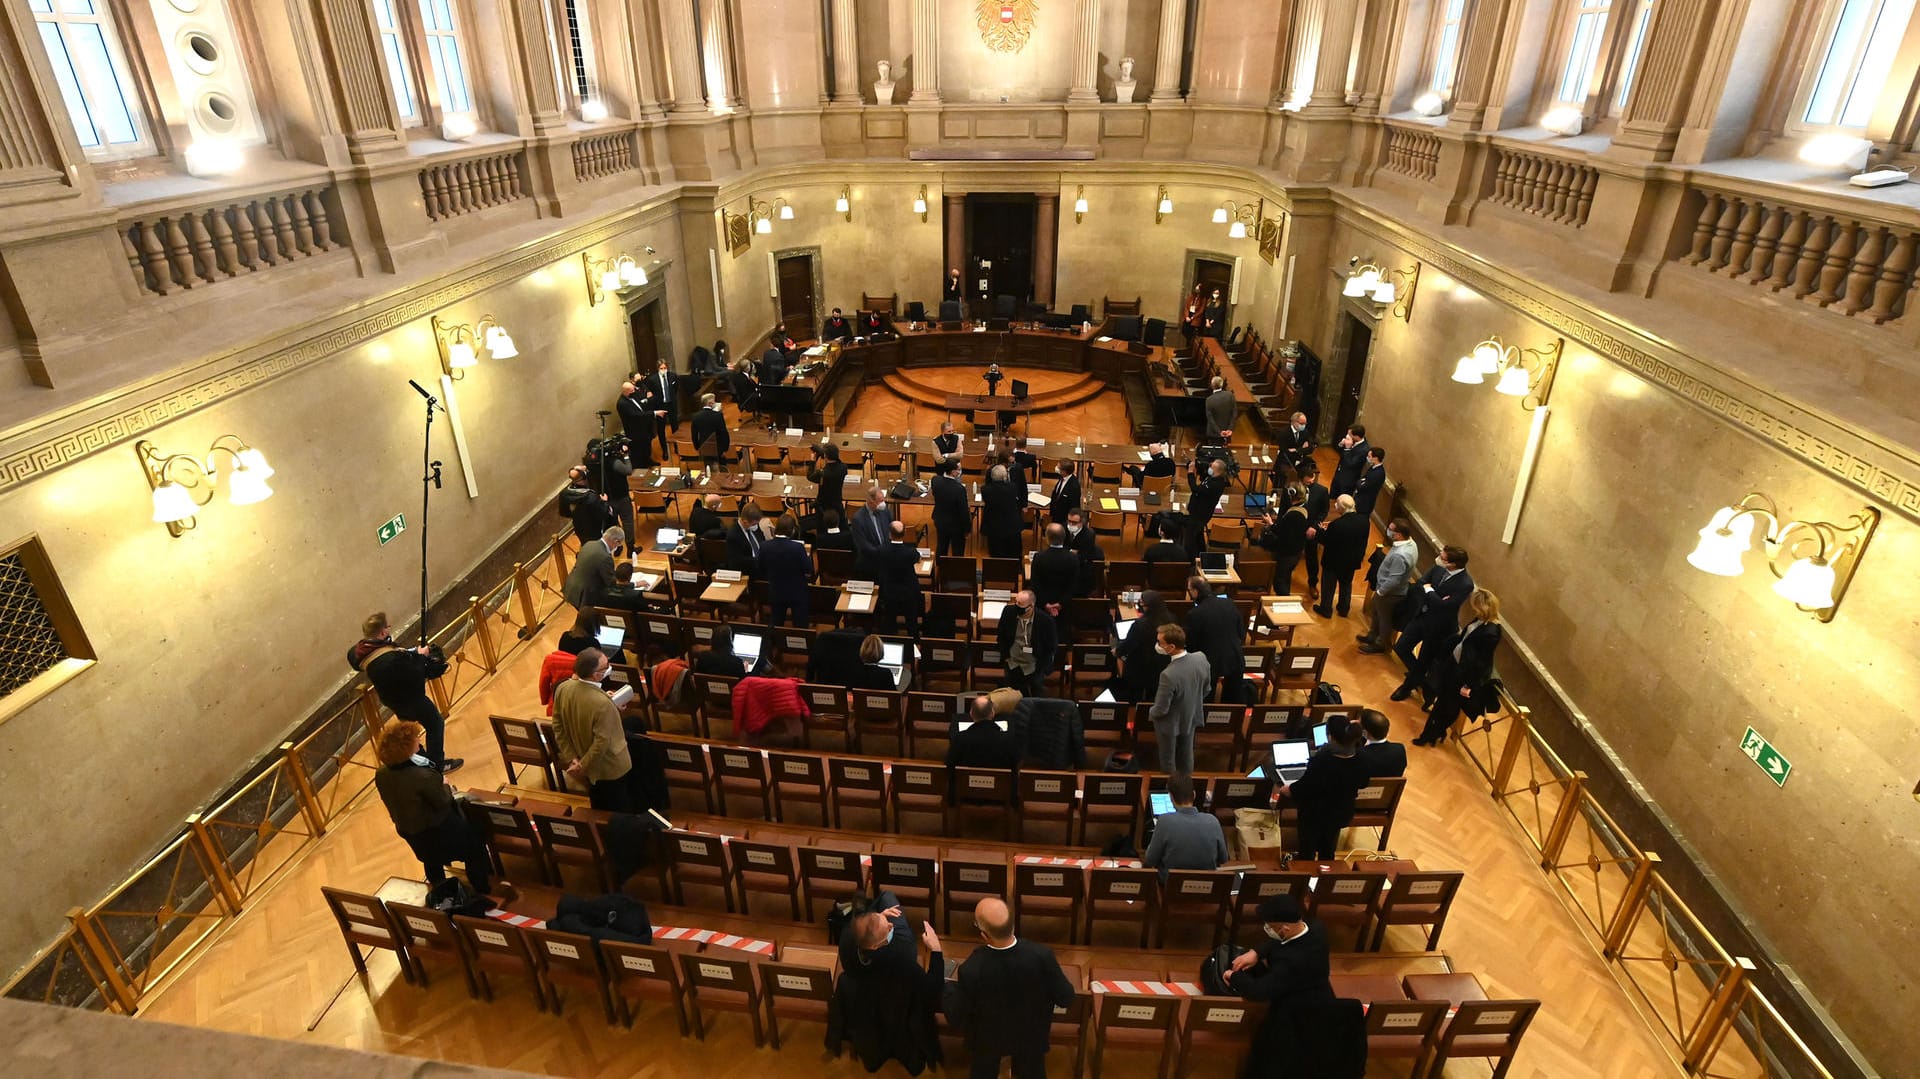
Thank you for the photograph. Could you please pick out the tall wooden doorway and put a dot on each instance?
(1359, 337)
(1212, 270)
(1000, 248)
(794, 274)
(643, 322)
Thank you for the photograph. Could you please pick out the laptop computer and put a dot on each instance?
(1290, 759)
(611, 637)
(667, 540)
(1159, 802)
(747, 646)
(1213, 564)
(1019, 389)
(894, 658)
(1256, 501)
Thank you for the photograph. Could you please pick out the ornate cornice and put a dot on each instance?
(1880, 471)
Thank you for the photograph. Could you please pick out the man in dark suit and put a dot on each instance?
(636, 420)
(1436, 617)
(1065, 495)
(1222, 408)
(1324, 797)
(744, 540)
(1020, 464)
(742, 387)
(592, 573)
(584, 506)
(1384, 759)
(1002, 998)
(872, 525)
(704, 520)
(1317, 500)
(1003, 515)
(1296, 442)
(1290, 969)
(980, 743)
(1343, 548)
(899, 581)
(1353, 461)
(1216, 630)
(787, 568)
(1366, 489)
(830, 476)
(626, 595)
(1055, 574)
(773, 366)
(1168, 549)
(1206, 499)
(1081, 541)
(1027, 637)
(952, 517)
(837, 328)
(662, 392)
(1158, 464)
(874, 322)
(710, 431)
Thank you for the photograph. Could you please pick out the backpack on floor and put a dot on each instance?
(1327, 693)
(1214, 969)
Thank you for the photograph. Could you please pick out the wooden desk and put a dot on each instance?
(851, 602)
(1284, 611)
(724, 591)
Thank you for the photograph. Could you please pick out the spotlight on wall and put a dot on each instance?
(593, 110)
(1816, 581)
(610, 275)
(1429, 104)
(460, 343)
(920, 203)
(844, 204)
(1080, 204)
(1563, 120)
(1526, 373)
(1393, 289)
(1163, 206)
(181, 483)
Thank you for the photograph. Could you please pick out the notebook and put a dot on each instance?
(1109, 504)
(667, 540)
(1120, 629)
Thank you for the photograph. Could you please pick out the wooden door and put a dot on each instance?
(796, 297)
(1359, 343)
(646, 340)
(1215, 274)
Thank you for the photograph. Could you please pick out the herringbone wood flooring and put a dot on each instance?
(278, 966)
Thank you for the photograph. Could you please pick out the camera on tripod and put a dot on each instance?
(614, 446)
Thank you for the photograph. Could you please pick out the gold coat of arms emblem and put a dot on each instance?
(1005, 25)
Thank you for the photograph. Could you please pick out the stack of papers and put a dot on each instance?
(1145, 456)
(990, 610)
(859, 601)
(1129, 505)
(1109, 504)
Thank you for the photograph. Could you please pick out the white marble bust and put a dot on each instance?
(1123, 86)
(883, 89)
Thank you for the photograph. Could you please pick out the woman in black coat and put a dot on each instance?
(870, 674)
(1138, 663)
(1461, 678)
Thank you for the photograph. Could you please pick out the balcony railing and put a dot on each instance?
(1412, 152)
(1549, 187)
(598, 156)
(469, 185)
(1844, 259)
(203, 245)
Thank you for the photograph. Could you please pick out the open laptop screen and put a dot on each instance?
(1161, 802)
(1292, 753)
(746, 645)
(610, 636)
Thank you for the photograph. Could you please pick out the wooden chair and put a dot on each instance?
(986, 667)
(918, 788)
(498, 948)
(1376, 806)
(1406, 1029)
(566, 841)
(1106, 726)
(830, 713)
(911, 873)
(956, 573)
(795, 991)
(861, 784)
(1226, 534)
(742, 773)
(797, 779)
(1088, 665)
(1479, 1028)
(944, 661)
(1048, 891)
(1046, 796)
(1196, 897)
(982, 792)
(507, 830)
(1267, 724)
(950, 614)
(1069, 1027)
(1220, 1027)
(1221, 729)
(1300, 669)
(431, 936)
(877, 713)
(1134, 1022)
(769, 868)
(527, 742)
(1123, 576)
(1416, 899)
(929, 718)
(569, 958)
(967, 877)
(1258, 887)
(686, 768)
(1111, 800)
(1347, 899)
(693, 858)
(1230, 792)
(364, 919)
(790, 644)
(1120, 894)
(830, 869)
(1110, 307)
(1261, 664)
(723, 983)
(1002, 573)
(645, 972)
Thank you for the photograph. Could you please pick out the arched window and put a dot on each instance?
(96, 83)
(1854, 52)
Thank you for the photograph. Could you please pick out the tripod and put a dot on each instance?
(429, 483)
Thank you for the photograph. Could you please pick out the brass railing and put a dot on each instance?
(1693, 991)
(120, 950)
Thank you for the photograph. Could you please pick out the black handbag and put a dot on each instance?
(436, 662)
(1215, 968)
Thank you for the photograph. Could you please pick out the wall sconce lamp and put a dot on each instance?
(1383, 286)
(920, 203)
(1237, 216)
(1080, 204)
(1526, 373)
(844, 204)
(1162, 206)
(460, 343)
(182, 483)
(610, 275)
(1815, 583)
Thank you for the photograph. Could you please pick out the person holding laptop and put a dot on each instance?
(1185, 838)
(1325, 795)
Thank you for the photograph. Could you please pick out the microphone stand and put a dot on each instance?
(429, 482)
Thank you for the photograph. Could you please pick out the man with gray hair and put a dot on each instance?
(1028, 638)
(592, 575)
(872, 526)
(588, 736)
(1003, 513)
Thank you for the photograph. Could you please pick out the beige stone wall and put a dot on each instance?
(1670, 665)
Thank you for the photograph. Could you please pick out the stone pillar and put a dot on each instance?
(1046, 229)
(1173, 49)
(715, 55)
(534, 67)
(926, 53)
(357, 75)
(1086, 55)
(846, 54)
(1480, 53)
(1303, 51)
(37, 145)
(681, 46)
(1668, 78)
(956, 221)
(1335, 54)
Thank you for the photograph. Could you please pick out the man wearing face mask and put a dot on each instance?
(1080, 540)
(1306, 1031)
(884, 1000)
(588, 736)
(1216, 630)
(1027, 637)
(872, 525)
(1206, 499)
(1181, 699)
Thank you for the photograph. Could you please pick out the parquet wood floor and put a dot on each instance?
(276, 969)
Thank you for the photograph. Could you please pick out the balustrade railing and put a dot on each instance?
(1548, 187)
(598, 156)
(204, 245)
(1841, 260)
(469, 185)
(1412, 153)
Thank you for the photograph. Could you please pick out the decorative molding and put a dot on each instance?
(1876, 470)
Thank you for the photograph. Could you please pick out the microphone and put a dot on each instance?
(422, 391)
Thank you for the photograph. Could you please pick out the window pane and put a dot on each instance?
(579, 47)
(383, 14)
(63, 74)
(1588, 32)
(453, 80)
(102, 82)
(437, 15)
(1443, 59)
(1882, 42)
(1634, 44)
(77, 7)
(39, 5)
(1836, 68)
(397, 73)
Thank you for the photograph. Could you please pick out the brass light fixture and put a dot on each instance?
(844, 204)
(1162, 206)
(616, 273)
(1238, 215)
(920, 203)
(460, 343)
(181, 483)
(1392, 289)
(1080, 204)
(1816, 581)
(1526, 373)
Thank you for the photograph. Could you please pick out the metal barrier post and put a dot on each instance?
(1562, 826)
(225, 889)
(370, 714)
(1519, 729)
(559, 558)
(303, 790)
(119, 994)
(477, 615)
(1631, 901)
(524, 589)
(1722, 1008)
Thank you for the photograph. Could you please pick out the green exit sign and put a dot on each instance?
(392, 528)
(1762, 753)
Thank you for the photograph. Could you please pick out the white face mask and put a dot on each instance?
(1161, 648)
(1073, 530)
